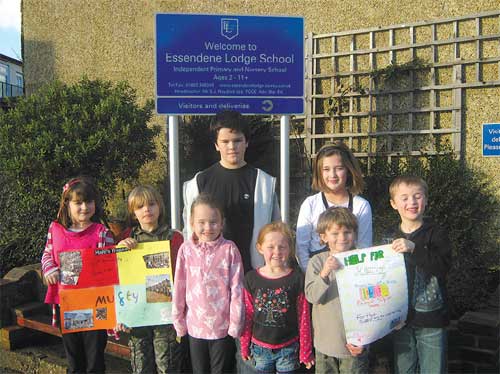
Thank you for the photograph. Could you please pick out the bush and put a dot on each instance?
(460, 201)
(61, 131)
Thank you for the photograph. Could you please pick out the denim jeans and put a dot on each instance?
(281, 360)
(333, 365)
(420, 348)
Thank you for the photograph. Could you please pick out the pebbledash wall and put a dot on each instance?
(114, 40)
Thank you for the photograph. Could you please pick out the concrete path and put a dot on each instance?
(49, 358)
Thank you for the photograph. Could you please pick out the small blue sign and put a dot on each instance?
(491, 139)
(210, 105)
(207, 63)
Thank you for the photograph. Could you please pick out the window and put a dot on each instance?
(4, 73)
(17, 89)
(19, 79)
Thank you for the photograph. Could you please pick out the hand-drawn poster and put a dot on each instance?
(83, 268)
(87, 309)
(138, 293)
(144, 296)
(373, 292)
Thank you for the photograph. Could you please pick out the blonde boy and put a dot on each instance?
(422, 342)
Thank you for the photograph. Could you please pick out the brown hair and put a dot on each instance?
(232, 120)
(140, 196)
(81, 189)
(354, 184)
(339, 216)
(411, 180)
(207, 199)
(283, 229)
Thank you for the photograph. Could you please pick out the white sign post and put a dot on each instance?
(173, 160)
(285, 167)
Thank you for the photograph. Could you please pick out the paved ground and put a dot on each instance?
(48, 358)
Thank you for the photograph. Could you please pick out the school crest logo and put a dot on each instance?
(229, 28)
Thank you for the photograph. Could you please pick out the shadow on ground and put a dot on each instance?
(48, 357)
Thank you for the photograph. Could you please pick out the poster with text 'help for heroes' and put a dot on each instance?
(102, 287)
(373, 292)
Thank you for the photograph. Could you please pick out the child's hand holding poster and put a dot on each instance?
(373, 292)
(102, 287)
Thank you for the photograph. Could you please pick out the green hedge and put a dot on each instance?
(92, 127)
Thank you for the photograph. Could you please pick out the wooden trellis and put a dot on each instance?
(414, 114)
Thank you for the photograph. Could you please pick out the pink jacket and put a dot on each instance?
(60, 238)
(208, 299)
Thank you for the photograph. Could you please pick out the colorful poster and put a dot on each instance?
(144, 296)
(373, 292)
(90, 267)
(87, 309)
(138, 288)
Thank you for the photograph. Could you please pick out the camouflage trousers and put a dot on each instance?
(154, 349)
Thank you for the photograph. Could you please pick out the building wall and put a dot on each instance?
(115, 40)
(482, 106)
(10, 70)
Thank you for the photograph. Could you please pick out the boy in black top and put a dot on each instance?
(422, 341)
(235, 192)
(247, 194)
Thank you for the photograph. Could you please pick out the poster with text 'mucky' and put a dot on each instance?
(102, 287)
(373, 292)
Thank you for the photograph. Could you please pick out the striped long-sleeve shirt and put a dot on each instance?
(60, 238)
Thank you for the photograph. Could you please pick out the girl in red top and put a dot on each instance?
(76, 227)
(277, 332)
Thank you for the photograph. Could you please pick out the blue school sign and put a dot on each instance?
(491, 139)
(209, 63)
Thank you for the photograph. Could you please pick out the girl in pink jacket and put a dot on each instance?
(208, 300)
